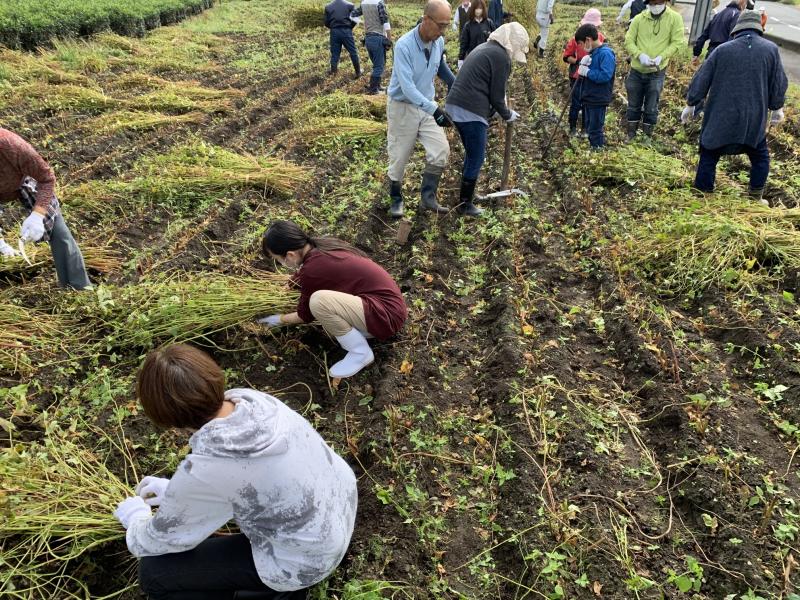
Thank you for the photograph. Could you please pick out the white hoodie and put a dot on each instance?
(267, 469)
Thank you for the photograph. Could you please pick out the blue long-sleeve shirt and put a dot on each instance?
(718, 30)
(413, 72)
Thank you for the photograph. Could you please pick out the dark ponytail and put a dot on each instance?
(285, 236)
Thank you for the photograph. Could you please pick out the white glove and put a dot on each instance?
(270, 321)
(619, 20)
(514, 116)
(583, 70)
(6, 250)
(461, 62)
(645, 60)
(132, 509)
(687, 114)
(777, 116)
(657, 61)
(586, 60)
(32, 228)
(152, 489)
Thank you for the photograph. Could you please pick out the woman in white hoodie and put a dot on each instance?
(254, 462)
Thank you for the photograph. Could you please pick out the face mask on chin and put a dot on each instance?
(656, 9)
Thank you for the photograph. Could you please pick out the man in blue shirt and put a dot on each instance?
(411, 112)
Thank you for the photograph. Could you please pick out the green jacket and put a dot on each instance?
(661, 36)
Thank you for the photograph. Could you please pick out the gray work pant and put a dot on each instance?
(67, 257)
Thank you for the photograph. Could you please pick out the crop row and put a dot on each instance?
(28, 25)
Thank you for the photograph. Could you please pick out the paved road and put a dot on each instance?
(783, 22)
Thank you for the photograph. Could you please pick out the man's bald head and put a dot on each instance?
(437, 9)
(435, 21)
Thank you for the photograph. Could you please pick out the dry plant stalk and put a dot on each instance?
(57, 499)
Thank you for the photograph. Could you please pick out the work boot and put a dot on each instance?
(430, 185)
(396, 195)
(358, 356)
(374, 87)
(633, 127)
(333, 71)
(758, 194)
(467, 208)
(357, 74)
(647, 129)
(541, 52)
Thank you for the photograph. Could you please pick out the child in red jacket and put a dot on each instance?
(573, 53)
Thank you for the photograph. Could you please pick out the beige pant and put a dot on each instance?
(337, 312)
(407, 124)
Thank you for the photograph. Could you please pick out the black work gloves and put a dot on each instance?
(442, 119)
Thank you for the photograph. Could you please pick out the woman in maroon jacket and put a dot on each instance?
(352, 297)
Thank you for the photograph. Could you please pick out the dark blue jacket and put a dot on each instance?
(718, 30)
(637, 7)
(337, 15)
(596, 89)
(741, 81)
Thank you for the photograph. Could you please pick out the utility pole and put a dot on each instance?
(700, 18)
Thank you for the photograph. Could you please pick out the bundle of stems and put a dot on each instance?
(189, 175)
(57, 502)
(338, 128)
(98, 258)
(308, 16)
(693, 251)
(210, 168)
(127, 120)
(61, 97)
(342, 104)
(23, 330)
(638, 165)
(173, 309)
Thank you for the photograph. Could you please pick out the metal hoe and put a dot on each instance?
(506, 192)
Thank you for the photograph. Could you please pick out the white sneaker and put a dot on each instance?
(359, 354)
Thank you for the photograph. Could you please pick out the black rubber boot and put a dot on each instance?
(757, 194)
(333, 71)
(430, 185)
(573, 130)
(396, 195)
(467, 208)
(633, 127)
(647, 129)
(357, 68)
(374, 86)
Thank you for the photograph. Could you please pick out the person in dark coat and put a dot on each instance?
(740, 82)
(718, 30)
(337, 19)
(478, 92)
(476, 31)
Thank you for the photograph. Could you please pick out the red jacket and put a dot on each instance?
(18, 159)
(573, 49)
(342, 271)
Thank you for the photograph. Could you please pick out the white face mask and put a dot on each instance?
(657, 9)
(479, 12)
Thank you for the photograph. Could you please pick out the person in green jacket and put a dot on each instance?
(655, 35)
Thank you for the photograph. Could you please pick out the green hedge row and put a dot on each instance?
(26, 25)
